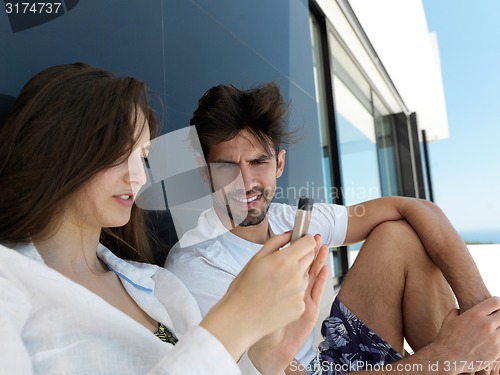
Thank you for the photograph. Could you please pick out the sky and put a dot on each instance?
(465, 168)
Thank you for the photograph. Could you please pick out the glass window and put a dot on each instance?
(346, 69)
(358, 149)
(386, 155)
(320, 82)
(426, 177)
(337, 266)
(386, 143)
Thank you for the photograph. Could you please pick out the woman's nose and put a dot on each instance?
(137, 169)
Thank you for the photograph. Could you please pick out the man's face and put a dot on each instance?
(246, 199)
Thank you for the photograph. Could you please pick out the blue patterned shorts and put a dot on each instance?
(349, 345)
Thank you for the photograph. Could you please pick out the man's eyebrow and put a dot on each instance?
(222, 161)
(260, 158)
(263, 157)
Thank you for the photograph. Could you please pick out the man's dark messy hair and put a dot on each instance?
(224, 111)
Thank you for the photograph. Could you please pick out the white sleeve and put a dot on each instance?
(194, 341)
(14, 312)
(206, 355)
(247, 367)
(329, 220)
(199, 352)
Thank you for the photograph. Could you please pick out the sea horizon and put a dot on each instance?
(480, 235)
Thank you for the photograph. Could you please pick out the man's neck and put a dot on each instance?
(258, 233)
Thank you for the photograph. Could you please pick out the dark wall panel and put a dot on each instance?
(181, 47)
(122, 36)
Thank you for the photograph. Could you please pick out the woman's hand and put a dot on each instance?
(267, 295)
(275, 351)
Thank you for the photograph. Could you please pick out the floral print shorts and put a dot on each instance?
(349, 345)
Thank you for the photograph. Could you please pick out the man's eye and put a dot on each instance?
(225, 165)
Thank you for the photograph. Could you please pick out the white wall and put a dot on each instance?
(398, 31)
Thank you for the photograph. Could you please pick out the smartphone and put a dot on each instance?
(302, 218)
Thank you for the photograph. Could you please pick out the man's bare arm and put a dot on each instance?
(443, 244)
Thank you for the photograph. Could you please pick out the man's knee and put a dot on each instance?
(383, 249)
(395, 232)
(396, 242)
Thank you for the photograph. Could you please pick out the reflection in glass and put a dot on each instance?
(319, 81)
(386, 154)
(358, 149)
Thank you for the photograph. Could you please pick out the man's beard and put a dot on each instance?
(255, 218)
(257, 215)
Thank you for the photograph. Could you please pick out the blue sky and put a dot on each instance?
(466, 167)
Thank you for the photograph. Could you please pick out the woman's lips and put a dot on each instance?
(126, 200)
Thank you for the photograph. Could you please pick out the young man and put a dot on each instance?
(399, 285)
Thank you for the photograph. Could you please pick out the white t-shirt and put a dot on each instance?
(52, 325)
(210, 257)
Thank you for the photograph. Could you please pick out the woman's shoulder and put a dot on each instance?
(20, 274)
(15, 256)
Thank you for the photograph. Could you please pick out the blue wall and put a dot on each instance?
(181, 48)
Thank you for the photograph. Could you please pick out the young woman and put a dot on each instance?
(71, 163)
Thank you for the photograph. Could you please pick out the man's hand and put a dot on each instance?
(276, 350)
(470, 342)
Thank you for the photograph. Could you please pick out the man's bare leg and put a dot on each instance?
(395, 289)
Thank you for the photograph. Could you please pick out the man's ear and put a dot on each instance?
(280, 163)
(203, 170)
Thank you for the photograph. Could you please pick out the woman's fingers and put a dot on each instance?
(274, 243)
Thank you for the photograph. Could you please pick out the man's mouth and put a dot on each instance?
(247, 200)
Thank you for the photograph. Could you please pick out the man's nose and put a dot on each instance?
(248, 177)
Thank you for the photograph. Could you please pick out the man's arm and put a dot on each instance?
(441, 241)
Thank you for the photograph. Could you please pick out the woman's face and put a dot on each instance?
(107, 200)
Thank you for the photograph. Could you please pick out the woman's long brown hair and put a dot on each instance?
(69, 123)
